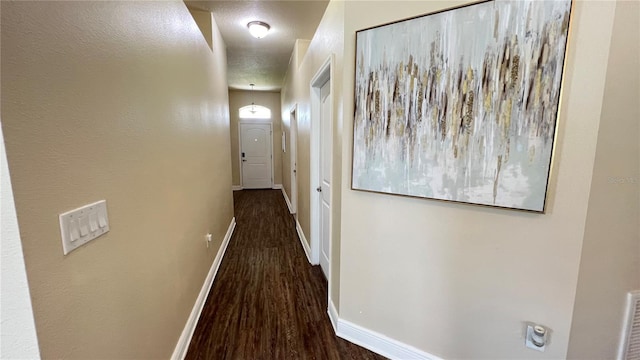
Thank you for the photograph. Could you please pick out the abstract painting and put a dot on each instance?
(461, 105)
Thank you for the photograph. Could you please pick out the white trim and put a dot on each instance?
(293, 156)
(236, 187)
(333, 316)
(324, 74)
(380, 344)
(276, 186)
(303, 241)
(286, 199)
(182, 346)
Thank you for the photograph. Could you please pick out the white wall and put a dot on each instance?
(18, 338)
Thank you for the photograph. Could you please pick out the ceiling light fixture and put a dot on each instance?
(258, 29)
(253, 104)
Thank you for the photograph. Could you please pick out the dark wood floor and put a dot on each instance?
(267, 302)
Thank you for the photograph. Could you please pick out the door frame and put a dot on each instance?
(324, 74)
(293, 157)
(260, 122)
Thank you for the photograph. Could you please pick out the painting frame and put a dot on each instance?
(381, 104)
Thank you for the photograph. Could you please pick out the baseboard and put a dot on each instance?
(181, 348)
(239, 187)
(303, 241)
(286, 199)
(378, 343)
(333, 316)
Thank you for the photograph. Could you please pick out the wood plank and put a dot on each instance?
(267, 301)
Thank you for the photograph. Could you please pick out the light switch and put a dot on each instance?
(81, 225)
(84, 225)
(93, 222)
(74, 231)
(102, 219)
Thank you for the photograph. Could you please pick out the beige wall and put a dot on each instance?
(286, 156)
(329, 39)
(299, 50)
(458, 281)
(610, 262)
(123, 102)
(455, 280)
(240, 98)
(204, 20)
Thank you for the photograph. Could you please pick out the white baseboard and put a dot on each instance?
(333, 316)
(378, 343)
(182, 346)
(239, 187)
(286, 199)
(303, 241)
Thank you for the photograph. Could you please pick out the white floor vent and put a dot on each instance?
(630, 342)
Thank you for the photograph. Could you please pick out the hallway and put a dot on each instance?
(267, 302)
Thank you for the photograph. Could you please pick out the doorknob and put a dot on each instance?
(319, 189)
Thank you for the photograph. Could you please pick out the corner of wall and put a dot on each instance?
(610, 259)
(205, 22)
(18, 332)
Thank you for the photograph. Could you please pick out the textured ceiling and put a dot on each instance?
(262, 61)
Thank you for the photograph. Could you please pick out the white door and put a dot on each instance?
(255, 155)
(294, 160)
(325, 178)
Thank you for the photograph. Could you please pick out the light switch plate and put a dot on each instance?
(81, 225)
